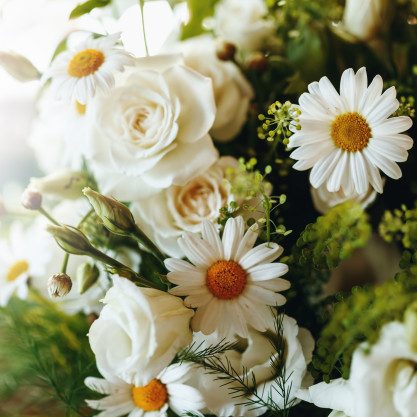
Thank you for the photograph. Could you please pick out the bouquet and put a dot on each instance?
(227, 227)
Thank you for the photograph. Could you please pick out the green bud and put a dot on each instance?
(410, 319)
(71, 240)
(62, 184)
(115, 216)
(87, 276)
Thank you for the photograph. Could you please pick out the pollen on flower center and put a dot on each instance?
(150, 397)
(85, 63)
(226, 279)
(18, 268)
(350, 132)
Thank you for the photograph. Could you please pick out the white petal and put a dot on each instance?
(372, 94)
(348, 88)
(264, 253)
(323, 168)
(247, 242)
(232, 236)
(211, 235)
(261, 295)
(392, 126)
(265, 272)
(358, 172)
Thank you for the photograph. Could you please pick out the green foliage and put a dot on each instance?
(407, 107)
(86, 7)
(357, 318)
(44, 354)
(199, 10)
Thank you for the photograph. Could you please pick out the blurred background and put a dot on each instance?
(34, 28)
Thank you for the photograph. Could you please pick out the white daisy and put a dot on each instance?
(152, 400)
(87, 68)
(346, 138)
(20, 260)
(229, 282)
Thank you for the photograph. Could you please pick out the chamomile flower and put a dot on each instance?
(20, 260)
(347, 137)
(229, 282)
(89, 67)
(165, 391)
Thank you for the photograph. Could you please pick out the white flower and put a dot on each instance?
(151, 131)
(167, 390)
(382, 381)
(366, 18)
(165, 216)
(232, 92)
(346, 138)
(138, 333)
(244, 23)
(324, 200)
(21, 259)
(230, 283)
(256, 357)
(89, 67)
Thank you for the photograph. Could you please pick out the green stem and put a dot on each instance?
(142, 18)
(48, 216)
(65, 263)
(140, 237)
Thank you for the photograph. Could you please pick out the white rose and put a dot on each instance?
(232, 92)
(151, 131)
(138, 333)
(256, 358)
(366, 18)
(244, 23)
(324, 200)
(382, 382)
(165, 216)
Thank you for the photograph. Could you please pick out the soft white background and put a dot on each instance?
(34, 28)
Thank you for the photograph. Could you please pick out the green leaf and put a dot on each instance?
(87, 6)
(199, 10)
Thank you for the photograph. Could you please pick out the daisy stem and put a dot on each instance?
(48, 216)
(142, 18)
(140, 237)
(65, 263)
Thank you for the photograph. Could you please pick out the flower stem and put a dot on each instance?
(48, 216)
(140, 237)
(142, 18)
(65, 263)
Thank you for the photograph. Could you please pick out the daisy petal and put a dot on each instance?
(232, 236)
(266, 252)
(265, 272)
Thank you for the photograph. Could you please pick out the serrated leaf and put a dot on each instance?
(87, 6)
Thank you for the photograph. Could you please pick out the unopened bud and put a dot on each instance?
(258, 62)
(71, 240)
(66, 184)
(87, 276)
(59, 285)
(410, 320)
(115, 216)
(31, 199)
(226, 51)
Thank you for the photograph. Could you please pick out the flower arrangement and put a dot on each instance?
(225, 228)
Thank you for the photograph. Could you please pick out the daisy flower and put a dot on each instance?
(89, 67)
(347, 137)
(229, 282)
(152, 400)
(20, 260)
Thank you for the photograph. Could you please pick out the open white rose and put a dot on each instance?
(324, 200)
(165, 216)
(382, 382)
(255, 355)
(138, 333)
(151, 131)
(244, 23)
(232, 92)
(366, 18)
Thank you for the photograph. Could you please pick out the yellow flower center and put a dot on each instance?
(18, 268)
(226, 279)
(81, 108)
(150, 397)
(350, 132)
(85, 63)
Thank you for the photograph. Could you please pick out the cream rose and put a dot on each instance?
(256, 357)
(165, 216)
(138, 333)
(232, 92)
(365, 19)
(324, 200)
(151, 131)
(244, 23)
(382, 382)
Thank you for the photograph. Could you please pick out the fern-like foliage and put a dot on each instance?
(44, 357)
